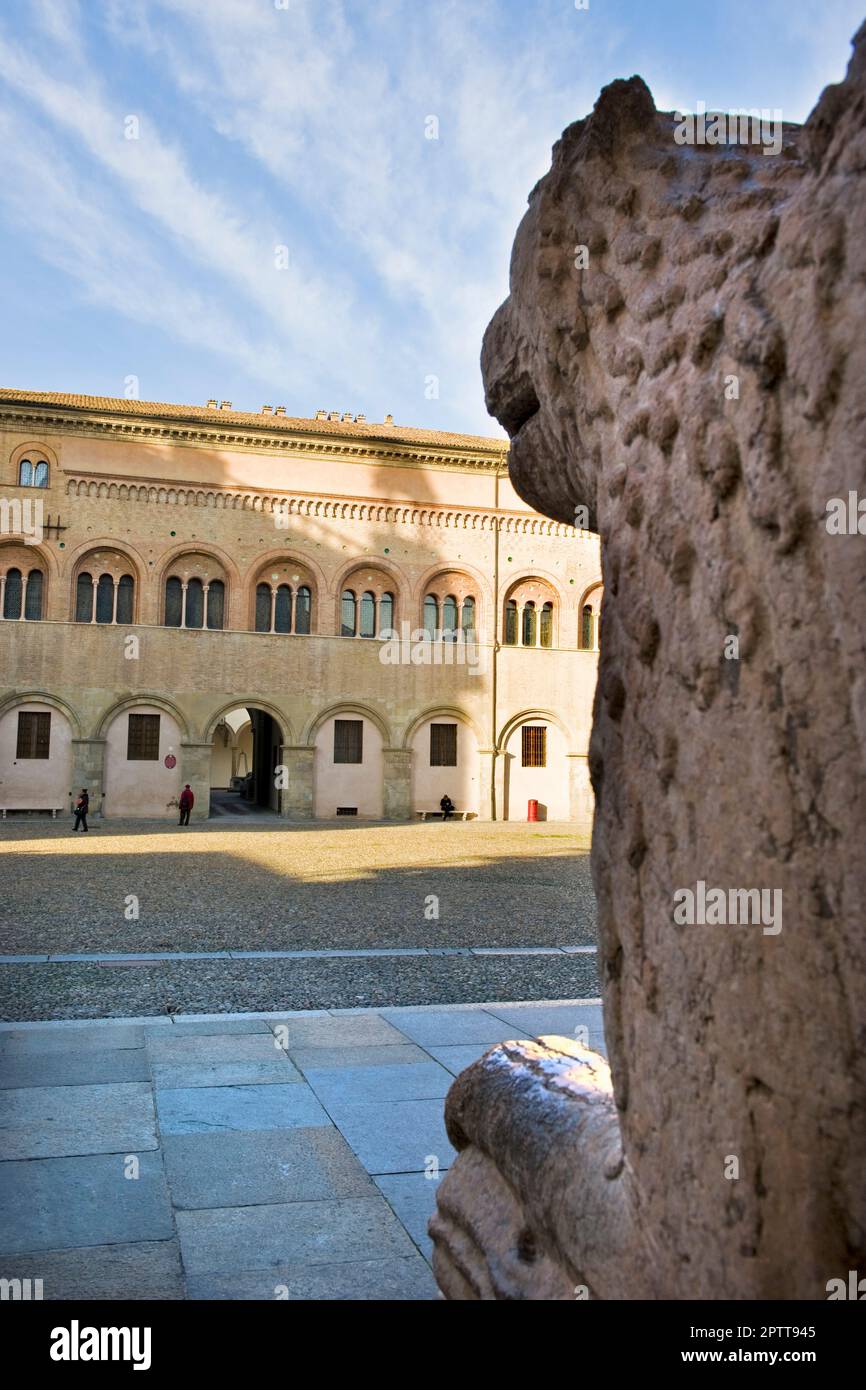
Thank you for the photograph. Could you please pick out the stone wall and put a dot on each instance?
(698, 385)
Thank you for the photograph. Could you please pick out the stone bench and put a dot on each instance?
(438, 815)
(55, 810)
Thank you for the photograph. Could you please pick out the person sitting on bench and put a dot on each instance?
(447, 806)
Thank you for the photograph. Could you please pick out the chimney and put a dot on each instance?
(267, 410)
(389, 419)
(334, 416)
(347, 417)
(321, 414)
(225, 405)
(211, 405)
(360, 419)
(280, 410)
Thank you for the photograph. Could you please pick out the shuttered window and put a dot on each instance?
(443, 745)
(534, 745)
(34, 735)
(142, 743)
(348, 741)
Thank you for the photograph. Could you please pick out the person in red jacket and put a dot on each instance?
(186, 803)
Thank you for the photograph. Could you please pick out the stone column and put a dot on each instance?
(296, 798)
(397, 799)
(88, 770)
(581, 802)
(195, 761)
(488, 808)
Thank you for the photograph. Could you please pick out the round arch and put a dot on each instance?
(248, 702)
(216, 552)
(524, 717)
(526, 576)
(78, 565)
(255, 573)
(34, 446)
(376, 562)
(590, 589)
(458, 567)
(43, 697)
(145, 697)
(45, 557)
(346, 707)
(440, 712)
(287, 556)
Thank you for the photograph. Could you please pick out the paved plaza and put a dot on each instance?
(289, 1156)
(140, 918)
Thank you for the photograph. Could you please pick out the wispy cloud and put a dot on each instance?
(306, 127)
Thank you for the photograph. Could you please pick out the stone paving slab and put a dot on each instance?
(220, 1047)
(533, 1020)
(257, 1190)
(457, 1058)
(339, 1088)
(84, 1038)
(61, 1203)
(407, 1278)
(335, 1030)
(209, 1109)
(383, 1055)
(261, 1167)
(180, 1075)
(412, 1198)
(62, 1121)
(442, 1028)
(220, 1025)
(147, 1269)
(397, 1136)
(23, 1069)
(261, 1237)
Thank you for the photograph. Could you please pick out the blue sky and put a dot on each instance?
(301, 124)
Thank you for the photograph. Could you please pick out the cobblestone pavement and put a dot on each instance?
(282, 1157)
(315, 889)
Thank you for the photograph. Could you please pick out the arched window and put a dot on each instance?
(173, 602)
(194, 603)
(216, 597)
(467, 619)
(529, 625)
(283, 609)
(105, 599)
(368, 615)
(511, 623)
(303, 611)
(431, 615)
(449, 619)
(263, 608)
(84, 598)
(386, 613)
(586, 628)
(125, 597)
(347, 626)
(12, 595)
(32, 473)
(546, 633)
(33, 601)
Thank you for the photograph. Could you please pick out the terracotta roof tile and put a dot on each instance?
(239, 419)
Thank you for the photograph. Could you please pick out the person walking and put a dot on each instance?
(82, 806)
(186, 803)
(447, 806)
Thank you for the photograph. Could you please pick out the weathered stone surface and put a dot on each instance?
(724, 1041)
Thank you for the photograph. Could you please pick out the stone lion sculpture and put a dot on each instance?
(683, 355)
